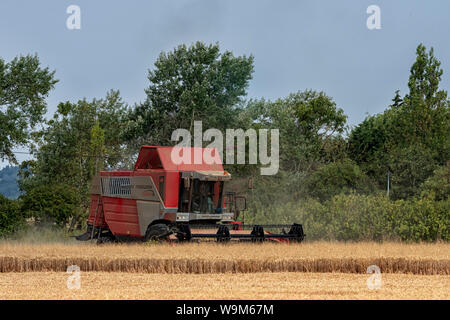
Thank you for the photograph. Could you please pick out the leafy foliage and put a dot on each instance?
(308, 122)
(81, 139)
(412, 137)
(50, 203)
(354, 217)
(438, 185)
(24, 85)
(11, 218)
(338, 177)
(410, 167)
(190, 83)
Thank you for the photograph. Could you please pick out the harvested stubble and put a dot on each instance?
(424, 259)
(258, 286)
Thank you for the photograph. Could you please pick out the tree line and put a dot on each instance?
(326, 166)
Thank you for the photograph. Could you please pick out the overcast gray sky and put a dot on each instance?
(322, 45)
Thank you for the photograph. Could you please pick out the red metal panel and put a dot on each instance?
(121, 216)
(172, 189)
(216, 194)
(171, 183)
(116, 173)
(151, 157)
(148, 159)
(165, 154)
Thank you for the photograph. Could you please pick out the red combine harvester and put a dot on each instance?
(160, 200)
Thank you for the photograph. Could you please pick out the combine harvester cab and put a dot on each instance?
(160, 200)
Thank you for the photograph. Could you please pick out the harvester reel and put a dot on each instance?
(223, 234)
(297, 231)
(258, 234)
(184, 233)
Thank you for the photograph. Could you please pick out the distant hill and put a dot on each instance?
(8, 182)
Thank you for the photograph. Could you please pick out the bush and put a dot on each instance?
(338, 177)
(421, 219)
(410, 168)
(438, 185)
(11, 218)
(54, 204)
(354, 217)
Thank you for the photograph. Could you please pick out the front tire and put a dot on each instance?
(157, 232)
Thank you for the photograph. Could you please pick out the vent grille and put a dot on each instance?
(116, 186)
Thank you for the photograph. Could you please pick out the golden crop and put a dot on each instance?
(258, 286)
(426, 259)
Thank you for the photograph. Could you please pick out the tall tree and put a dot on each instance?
(424, 118)
(412, 137)
(190, 83)
(308, 121)
(24, 86)
(81, 139)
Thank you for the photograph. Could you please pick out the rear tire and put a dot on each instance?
(157, 232)
(105, 236)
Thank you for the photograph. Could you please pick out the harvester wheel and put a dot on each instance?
(157, 232)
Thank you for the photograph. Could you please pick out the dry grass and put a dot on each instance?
(236, 258)
(257, 286)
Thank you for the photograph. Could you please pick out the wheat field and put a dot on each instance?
(310, 270)
(425, 259)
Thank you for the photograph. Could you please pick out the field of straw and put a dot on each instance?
(316, 270)
(426, 259)
(251, 286)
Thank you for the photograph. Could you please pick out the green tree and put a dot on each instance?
(81, 139)
(97, 148)
(11, 217)
(367, 141)
(338, 177)
(412, 137)
(438, 185)
(50, 204)
(310, 127)
(24, 86)
(190, 83)
(309, 123)
(425, 115)
(410, 167)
